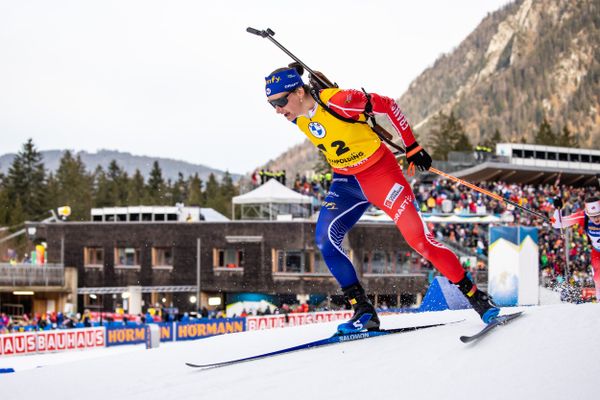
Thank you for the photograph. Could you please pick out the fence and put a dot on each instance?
(32, 275)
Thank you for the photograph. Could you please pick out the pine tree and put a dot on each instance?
(194, 190)
(448, 135)
(179, 190)
(136, 193)
(53, 194)
(15, 222)
(102, 189)
(17, 216)
(567, 139)
(441, 143)
(118, 183)
(212, 193)
(494, 140)
(545, 135)
(462, 143)
(228, 191)
(156, 186)
(74, 187)
(26, 182)
(4, 206)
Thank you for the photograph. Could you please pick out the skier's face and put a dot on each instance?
(596, 219)
(287, 103)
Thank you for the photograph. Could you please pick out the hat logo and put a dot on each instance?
(317, 130)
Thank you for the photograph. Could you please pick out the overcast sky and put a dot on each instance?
(183, 79)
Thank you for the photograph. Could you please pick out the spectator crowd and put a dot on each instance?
(448, 197)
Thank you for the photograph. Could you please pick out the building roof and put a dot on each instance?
(272, 192)
(524, 174)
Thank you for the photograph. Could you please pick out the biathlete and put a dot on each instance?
(365, 173)
(589, 218)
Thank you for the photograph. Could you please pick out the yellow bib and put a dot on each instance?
(344, 144)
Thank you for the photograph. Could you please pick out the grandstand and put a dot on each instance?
(535, 164)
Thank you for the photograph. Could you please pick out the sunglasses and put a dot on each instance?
(280, 102)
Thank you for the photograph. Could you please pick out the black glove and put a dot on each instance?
(558, 204)
(417, 156)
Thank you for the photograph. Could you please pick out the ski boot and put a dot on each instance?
(365, 317)
(479, 300)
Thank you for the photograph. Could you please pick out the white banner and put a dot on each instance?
(50, 341)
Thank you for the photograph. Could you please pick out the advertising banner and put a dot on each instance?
(292, 319)
(51, 341)
(205, 327)
(513, 270)
(136, 334)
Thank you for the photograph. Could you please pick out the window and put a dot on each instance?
(172, 217)
(540, 155)
(376, 262)
(380, 262)
(585, 158)
(573, 157)
(159, 217)
(93, 256)
(162, 256)
(528, 153)
(228, 258)
(517, 153)
(289, 261)
(563, 157)
(402, 262)
(595, 159)
(383, 263)
(127, 256)
(319, 266)
(551, 155)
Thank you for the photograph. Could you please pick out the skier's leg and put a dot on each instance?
(596, 267)
(341, 209)
(386, 187)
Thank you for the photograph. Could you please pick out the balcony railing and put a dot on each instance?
(20, 275)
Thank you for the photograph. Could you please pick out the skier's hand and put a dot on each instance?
(558, 204)
(418, 157)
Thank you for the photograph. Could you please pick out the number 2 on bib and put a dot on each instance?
(339, 145)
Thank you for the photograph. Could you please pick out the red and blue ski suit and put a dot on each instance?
(365, 173)
(593, 232)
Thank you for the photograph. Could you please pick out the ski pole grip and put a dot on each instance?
(253, 31)
(257, 32)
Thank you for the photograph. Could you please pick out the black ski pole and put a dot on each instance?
(268, 33)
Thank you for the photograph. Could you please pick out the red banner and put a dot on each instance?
(283, 320)
(49, 341)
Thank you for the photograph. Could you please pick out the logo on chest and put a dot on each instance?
(317, 130)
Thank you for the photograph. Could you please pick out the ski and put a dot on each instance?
(337, 338)
(500, 320)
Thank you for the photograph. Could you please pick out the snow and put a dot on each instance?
(551, 352)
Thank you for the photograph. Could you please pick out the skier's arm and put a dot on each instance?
(351, 103)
